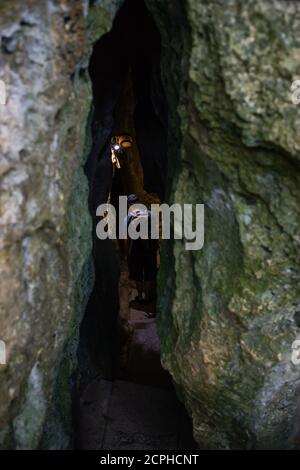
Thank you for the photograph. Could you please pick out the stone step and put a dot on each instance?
(93, 412)
(141, 417)
(144, 364)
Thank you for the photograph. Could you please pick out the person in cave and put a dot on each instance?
(119, 144)
(142, 258)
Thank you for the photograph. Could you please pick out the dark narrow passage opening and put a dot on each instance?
(119, 350)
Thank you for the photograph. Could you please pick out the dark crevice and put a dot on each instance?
(125, 74)
(132, 44)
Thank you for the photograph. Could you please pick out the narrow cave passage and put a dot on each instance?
(125, 400)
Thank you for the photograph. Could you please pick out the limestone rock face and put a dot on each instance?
(45, 228)
(227, 312)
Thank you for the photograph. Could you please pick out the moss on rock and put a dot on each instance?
(226, 320)
(45, 240)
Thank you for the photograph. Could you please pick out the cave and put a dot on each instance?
(206, 93)
(128, 98)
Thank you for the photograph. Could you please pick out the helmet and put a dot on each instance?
(132, 198)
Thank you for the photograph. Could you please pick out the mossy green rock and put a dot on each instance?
(227, 311)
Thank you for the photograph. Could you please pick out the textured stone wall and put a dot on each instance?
(45, 228)
(227, 312)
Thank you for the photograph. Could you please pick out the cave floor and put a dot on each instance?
(139, 410)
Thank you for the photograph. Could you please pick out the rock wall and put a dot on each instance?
(45, 236)
(227, 319)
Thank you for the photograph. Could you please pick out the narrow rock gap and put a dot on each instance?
(124, 399)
